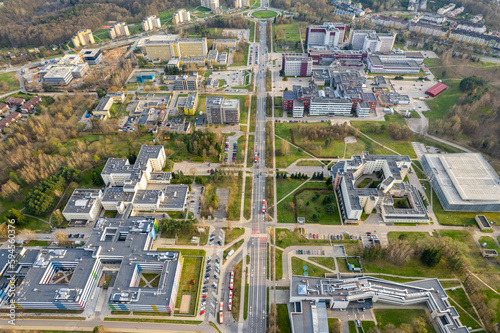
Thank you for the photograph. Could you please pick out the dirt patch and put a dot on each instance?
(185, 302)
(350, 139)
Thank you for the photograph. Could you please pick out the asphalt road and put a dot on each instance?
(257, 311)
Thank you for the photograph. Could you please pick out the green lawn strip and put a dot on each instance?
(247, 206)
(493, 301)
(458, 218)
(185, 252)
(191, 270)
(313, 270)
(442, 104)
(310, 205)
(450, 284)
(364, 183)
(245, 308)
(324, 261)
(37, 243)
(232, 234)
(294, 153)
(409, 236)
(291, 37)
(352, 327)
(309, 163)
(234, 247)
(251, 152)
(414, 267)
(240, 150)
(331, 323)
(465, 319)
(253, 114)
(237, 290)
(148, 320)
(267, 261)
(367, 325)
(438, 144)
(417, 167)
(270, 195)
(279, 264)
(490, 242)
(471, 254)
(400, 316)
(282, 320)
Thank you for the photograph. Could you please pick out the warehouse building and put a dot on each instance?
(311, 296)
(463, 182)
(436, 89)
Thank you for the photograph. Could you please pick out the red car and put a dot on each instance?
(260, 211)
(204, 296)
(314, 236)
(202, 312)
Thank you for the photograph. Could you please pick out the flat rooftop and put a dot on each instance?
(58, 72)
(465, 177)
(82, 200)
(175, 196)
(117, 194)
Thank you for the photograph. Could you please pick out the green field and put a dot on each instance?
(310, 205)
(191, 270)
(247, 205)
(240, 150)
(313, 270)
(279, 264)
(285, 186)
(283, 321)
(324, 261)
(441, 104)
(237, 291)
(12, 82)
(264, 14)
(251, 152)
(284, 161)
(401, 316)
(232, 234)
(286, 238)
(290, 38)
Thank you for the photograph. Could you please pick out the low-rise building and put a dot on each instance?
(3, 107)
(9, 120)
(102, 109)
(392, 64)
(188, 104)
(483, 222)
(362, 109)
(31, 104)
(83, 205)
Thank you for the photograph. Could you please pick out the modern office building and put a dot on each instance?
(391, 64)
(83, 37)
(92, 56)
(311, 296)
(399, 202)
(181, 15)
(170, 46)
(83, 205)
(150, 23)
(213, 5)
(363, 109)
(117, 30)
(329, 106)
(326, 36)
(297, 65)
(221, 111)
(463, 182)
(186, 82)
(59, 76)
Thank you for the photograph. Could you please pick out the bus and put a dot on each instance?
(263, 206)
(221, 317)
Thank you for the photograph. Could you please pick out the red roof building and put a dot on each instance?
(14, 101)
(436, 89)
(31, 104)
(3, 107)
(7, 121)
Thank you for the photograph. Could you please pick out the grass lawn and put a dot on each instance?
(232, 234)
(186, 252)
(12, 82)
(37, 243)
(331, 322)
(191, 270)
(290, 36)
(364, 183)
(400, 316)
(471, 253)
(284, 161)
(352, 327)
(231, 182)
(286, 238)
(279, 264)
(414, 267)
(458, 218)
(282, 320)
(458, 295)
(240, 150)
(245, 308)
(324, 261)
(441, 104)
(235, 247)
(417, 167)
(285, 186)
(490, 242)
(364, 144)
(264, 14)
(313, 270)
(237, 291)
(185, 239)
(367, 325)
(247, 205)
(314, 210)
(253, 114)
(285, 214)
(410, 237)
(244, 60)
(251, 152)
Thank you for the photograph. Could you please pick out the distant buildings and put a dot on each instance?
(446, 9)
(181, 15)
(83, 37)
(398, 201)
(31, 104)
(297, 65)
(118, 30)
(240, 3)
(392, 64)
(213, 5)
(171, 46)
(188, 104)
(221, 111)
(463, 182)
(150, 23)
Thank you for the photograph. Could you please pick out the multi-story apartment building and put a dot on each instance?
(371, 41)
(181, 15)
(222, 111)
(213, 5)
(118, 30)
(83, 37)
(297, 65)
(150, 23)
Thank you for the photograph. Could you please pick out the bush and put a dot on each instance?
(431, 257)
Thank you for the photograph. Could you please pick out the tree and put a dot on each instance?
(431, 257)
(284, 148)
(28, 234)
(9, 189)
(17, 216)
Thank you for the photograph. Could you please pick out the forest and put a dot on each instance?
(45, 22)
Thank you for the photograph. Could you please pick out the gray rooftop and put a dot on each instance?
(175, 196)
(117, 194)
(82, 200)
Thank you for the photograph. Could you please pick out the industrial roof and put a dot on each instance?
(436, 89)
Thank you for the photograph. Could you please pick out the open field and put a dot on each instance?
(283, 321)
(264, 14)
(313, 270)
(288, 39)
(310, 205)
(401, 316)
(324, 261)
(191, 270)
(284, 161)
(279, 264)
(232, 234)
(285, 186)
(286, 238)
(12, 82)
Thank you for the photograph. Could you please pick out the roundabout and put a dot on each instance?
(264, 14)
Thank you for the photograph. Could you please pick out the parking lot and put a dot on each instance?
(231, 78)
(253, 56)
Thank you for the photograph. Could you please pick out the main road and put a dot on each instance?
(257, 312)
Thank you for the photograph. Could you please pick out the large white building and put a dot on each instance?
(213, 5)
(371, 41)
(83, 205)
(399, 202)
(325, 106)
(326, 36)
(392, 64)
(297, 65)
(181, 15)
(151, 22)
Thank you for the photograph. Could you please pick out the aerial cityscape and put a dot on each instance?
(250, 166)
